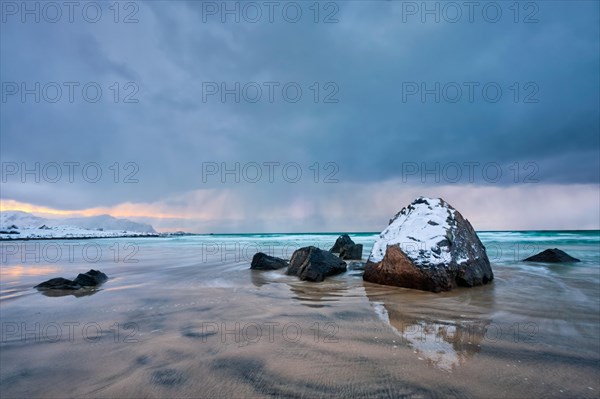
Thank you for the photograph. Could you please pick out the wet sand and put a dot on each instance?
(178, 325)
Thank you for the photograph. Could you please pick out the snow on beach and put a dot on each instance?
(18, 225)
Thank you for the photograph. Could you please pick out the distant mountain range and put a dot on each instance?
(23, 225)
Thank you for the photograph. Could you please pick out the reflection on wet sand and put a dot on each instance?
(76, 293)
(445, 340)
(307, 293)
(318, 295)
(259, 277)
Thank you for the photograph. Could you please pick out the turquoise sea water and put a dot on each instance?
(181, 317)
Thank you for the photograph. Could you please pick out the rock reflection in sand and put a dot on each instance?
(318, 295)
(310, 294)
(445, 342)
(76, 293)
(261, 277)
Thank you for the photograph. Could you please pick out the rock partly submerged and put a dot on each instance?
(553, 255)
(429, 246)
(347, 248)
(262, 261)
(92, 278)
(314, 264)
(352, 252)
(340, 243)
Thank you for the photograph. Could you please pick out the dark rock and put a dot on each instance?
(347, 248)
(90, 279)
(429, 246)
(58, 283)
(554, 255)
(340, 243)
(314, 264)
(262, 261)
(352, 251)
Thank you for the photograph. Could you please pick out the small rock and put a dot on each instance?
(314, 264)
(347, 248)
(340, 243)
(352, 251)
(91, 278)
(262, 261)
(58, 283)
(554, 255)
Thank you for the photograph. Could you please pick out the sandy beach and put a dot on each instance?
(179, 323)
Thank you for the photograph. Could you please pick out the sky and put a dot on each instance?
(235, 117)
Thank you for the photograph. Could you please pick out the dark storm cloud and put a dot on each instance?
(371, 133)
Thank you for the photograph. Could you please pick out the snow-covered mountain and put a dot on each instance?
(19, 219)
(108, 222)
(23, 225)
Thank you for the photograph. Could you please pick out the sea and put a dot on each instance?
(185, 317)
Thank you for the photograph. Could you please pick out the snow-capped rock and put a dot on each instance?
(428, 245)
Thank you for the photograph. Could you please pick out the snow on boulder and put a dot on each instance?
(429, 246)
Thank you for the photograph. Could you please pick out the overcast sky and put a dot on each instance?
(493, 107)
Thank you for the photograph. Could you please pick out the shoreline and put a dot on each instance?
(74, 238)
(171, 235)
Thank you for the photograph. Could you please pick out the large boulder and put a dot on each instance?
(396, 268)
(91, 278)
(429, 246)
(314, 264)
(262, 261)
(554, 255)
